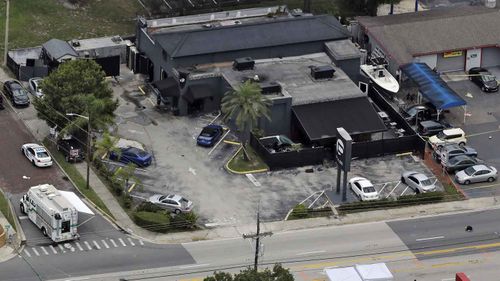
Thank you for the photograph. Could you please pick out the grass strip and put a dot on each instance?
(5, 209)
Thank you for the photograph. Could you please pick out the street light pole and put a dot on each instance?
(89, 138)
(6, 42)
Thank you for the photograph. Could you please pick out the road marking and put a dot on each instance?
(430, 238)
(113, 242)
(27, 253)
(123, 243)
(105, 244)
(87, 245)
(79, 246)
(193, 265)
(192, 171)
(217, 144)
(253, 179)
(446, 264)
(23, 217)
(392, 190)
(35, 251)
(140, 242)
(130, 241)
(61, 248)
(53, 249)
(450, 250)
(383, 187)
(402, 193)
(96, 245)
(310, 253)
(44, 251)
(479, 187)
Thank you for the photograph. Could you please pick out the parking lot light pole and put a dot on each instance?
(88, 142)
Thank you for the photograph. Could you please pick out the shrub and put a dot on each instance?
(127, 201)
(299, 212)
(184, 221)
(154, 221)
(148, 207)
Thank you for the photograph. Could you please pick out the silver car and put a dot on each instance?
(34, 85)
(418, 182)
(476, 173)
(173, 202)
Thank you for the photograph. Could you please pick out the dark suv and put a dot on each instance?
(419, 112)
(71, 148)
(484, 79)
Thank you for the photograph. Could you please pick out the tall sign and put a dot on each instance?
(343, 155)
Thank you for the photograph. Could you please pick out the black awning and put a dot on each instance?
(320, 120)
(196, 92)
(168, 87)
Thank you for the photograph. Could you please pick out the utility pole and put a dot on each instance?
(257, 237)
(6, 43)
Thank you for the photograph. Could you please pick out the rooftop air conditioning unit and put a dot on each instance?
(243, 63)
(75, 43)
(322, 72)
(270, 88)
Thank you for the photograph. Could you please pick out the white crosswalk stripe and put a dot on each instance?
(96, 245)
(113, 242)
(88, 245)
(141, 242)
(44, 251)
(123, 243)
(61, 248)
(105, 244)
(27, 253)
(130, 241)
(79, 246)
(53, 249)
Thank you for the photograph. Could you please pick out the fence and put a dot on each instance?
(383, 147)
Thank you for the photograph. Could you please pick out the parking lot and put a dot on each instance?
(182, 167)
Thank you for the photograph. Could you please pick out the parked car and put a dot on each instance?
(460, 162)
(36, 154)
(71, 148)
(34, 84)
(277, 143)
(1, 102)
(419, 112)
(172, 202)
(484, 79)
(447, 136)
(363, 188)
(16, 93)
(134, 155)
(476, 173)
(419, 182)
(430, 128)
(451, 150)
(210, 135)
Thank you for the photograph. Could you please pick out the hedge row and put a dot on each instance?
(158, 222)
(406, 200)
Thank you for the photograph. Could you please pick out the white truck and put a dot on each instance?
(53, 211)
(360, 272)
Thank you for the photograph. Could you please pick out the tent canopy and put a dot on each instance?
(77, 202)
(432, 87)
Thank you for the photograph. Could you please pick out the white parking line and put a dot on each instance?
(23, 217)
(140, 242)
(87, 245)
(105, 244)
(61, 248)
(392, 190)
(383, 187)
(194, 265)
(27, 253)
(130, 241)
(123, 243)
(35, 251)
(402, 193)
(96, 245)
(217, 144)
(79, 246)
(253, 179)
(53, 249)
(44, 251)
(310, 253)
(113, 242)
(430, 238)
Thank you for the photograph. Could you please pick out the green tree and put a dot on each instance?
(351, 8)
(245, 106)
(77, 86)
(105, 146)
(124, 174)
(278, 273)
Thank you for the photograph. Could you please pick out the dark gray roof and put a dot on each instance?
(407, 35)
(253, 35)
(58, 48)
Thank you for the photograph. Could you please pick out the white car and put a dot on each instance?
(34, 84)
(419, 182)
(447, 136)
(172, 202)
(363, 188)
(37, 154)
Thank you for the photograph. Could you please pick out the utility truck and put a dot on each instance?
(53, 211)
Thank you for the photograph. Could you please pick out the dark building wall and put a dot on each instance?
(350, 67)
(281, 111)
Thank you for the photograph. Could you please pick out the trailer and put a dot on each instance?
(53, 211)
(360, 272)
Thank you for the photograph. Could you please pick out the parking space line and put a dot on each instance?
(61, 248)
(113, 242)
(27, 253)
(383, 187)
(44, 251)
(141, 242)
(217, 144)
(130, 241)
(35, 251)
(79, 246)
(479, 187)
(402, 193)
(87, 245)
(253, 179)
(53, 249)
(105, 244)
(96, 245)
(393, 190)
(123, 243)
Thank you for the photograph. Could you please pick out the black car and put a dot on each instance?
(71, 148)
(484, 79)
(461, 162)
(430, 128)
(16, 93)
(419, 112)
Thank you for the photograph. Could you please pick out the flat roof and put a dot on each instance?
(294, 76)
(342, 49)
(96, 43)
(20, 55)
(407, 35)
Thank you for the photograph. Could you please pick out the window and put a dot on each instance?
(413, 179)
(357, 185)
(65, 226)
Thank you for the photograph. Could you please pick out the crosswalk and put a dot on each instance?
(81, 246)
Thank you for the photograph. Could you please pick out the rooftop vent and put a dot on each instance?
(75, 43)
(116, 39)
(322, 72)
(270, 88)
(243, 63)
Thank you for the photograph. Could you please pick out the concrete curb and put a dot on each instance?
(226, 166)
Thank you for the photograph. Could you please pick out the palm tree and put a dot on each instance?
(245, 106)
(105, 146)
(124, 174)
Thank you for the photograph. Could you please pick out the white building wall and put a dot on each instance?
(430, 60)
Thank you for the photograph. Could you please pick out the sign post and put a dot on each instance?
(343, 158)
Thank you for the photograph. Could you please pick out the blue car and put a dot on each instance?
(132, 155)
(210, 135)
